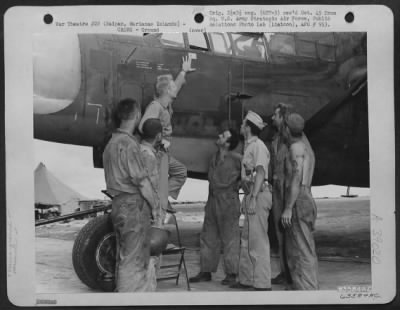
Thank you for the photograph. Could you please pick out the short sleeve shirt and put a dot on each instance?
(123, 164)
(255, 154)
(164, 114)
(152, 162)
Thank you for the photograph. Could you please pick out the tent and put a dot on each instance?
(51, 193)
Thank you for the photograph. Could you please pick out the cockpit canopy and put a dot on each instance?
(274, 48)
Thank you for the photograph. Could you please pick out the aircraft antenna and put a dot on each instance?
(130, 55)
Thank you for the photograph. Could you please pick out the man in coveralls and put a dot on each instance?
(222, 212)
(254, 261)
(279, 154)
(128, 181)
(151, 138)
(173, 173)
(298, 217)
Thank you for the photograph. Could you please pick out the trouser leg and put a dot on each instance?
(131, 220)
(300, 247)
(163, 185)
(209, 240)
(177, 176)
(246, 272)
(259, 241)
(302, 260)
(117, 255)
(254, 261)
(228, 221)
(152, 270)
(276, 213)
(277, 208)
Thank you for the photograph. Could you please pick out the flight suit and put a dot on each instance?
(254, 263)
(128, 182)
(222, 212)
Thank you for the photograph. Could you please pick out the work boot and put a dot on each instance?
(201, 277)
(241, 286)
(279, 279)
(229, 279)
(262, 289)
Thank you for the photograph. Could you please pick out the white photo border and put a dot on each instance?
(21, 23)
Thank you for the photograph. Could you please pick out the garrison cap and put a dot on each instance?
(255, 119)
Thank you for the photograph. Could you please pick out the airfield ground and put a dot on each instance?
(342, 238)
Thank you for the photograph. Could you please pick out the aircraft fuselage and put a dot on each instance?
(73, 94)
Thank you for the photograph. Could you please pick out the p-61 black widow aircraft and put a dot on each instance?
(322, 76)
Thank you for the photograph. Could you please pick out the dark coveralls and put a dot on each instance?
(222, 212)
(128, 181)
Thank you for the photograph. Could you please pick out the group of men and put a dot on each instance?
(140, 174)
(246, 255)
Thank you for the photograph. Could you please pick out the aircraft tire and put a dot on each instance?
(93, 254)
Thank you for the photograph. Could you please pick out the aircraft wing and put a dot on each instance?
(339, 136)
(325, 114)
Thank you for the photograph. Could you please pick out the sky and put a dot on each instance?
(73, 166)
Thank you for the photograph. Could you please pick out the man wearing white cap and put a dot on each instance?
(254, 261)
(298, 217)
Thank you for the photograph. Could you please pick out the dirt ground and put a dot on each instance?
(342, 237)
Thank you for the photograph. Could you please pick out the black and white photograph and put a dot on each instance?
(221, 167)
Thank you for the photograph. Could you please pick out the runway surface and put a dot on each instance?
(342, 237)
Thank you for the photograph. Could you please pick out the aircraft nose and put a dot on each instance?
(56, 71)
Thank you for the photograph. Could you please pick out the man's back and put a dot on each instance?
(300, 149)
(151, 160)
(121, 162)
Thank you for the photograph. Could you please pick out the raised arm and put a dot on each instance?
(152, 111)
(296, 157)
(140, 177)
(186, 67)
